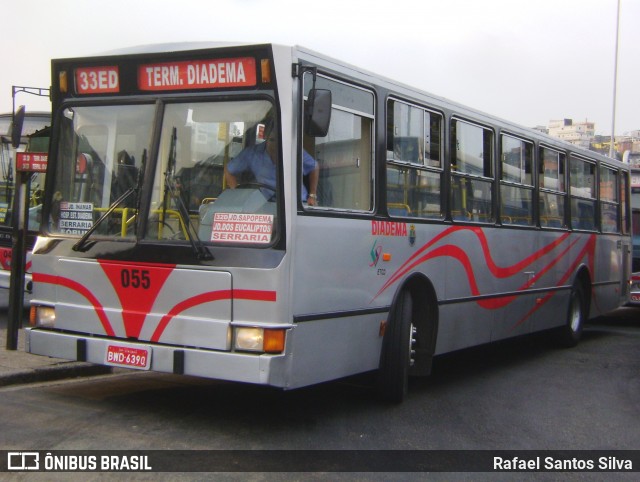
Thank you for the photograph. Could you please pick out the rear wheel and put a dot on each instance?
(569, 335)
(397, 351)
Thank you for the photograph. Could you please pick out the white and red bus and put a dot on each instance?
(432, 227)
(34, 141)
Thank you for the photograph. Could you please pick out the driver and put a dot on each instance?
(261, 161)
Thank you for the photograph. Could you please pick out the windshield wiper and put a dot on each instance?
(134, 189)
(199, 249)
(139, 182)
(82, 241)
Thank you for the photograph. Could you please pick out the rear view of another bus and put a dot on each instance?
(34, 139)
(634, 292)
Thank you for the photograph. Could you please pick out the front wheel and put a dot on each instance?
(397, 351)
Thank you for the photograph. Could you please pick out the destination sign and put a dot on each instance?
(97, 80)
(31, 161)
(198, 74)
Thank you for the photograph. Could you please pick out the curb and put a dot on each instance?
(62, 371)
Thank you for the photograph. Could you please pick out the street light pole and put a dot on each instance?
(615, 83)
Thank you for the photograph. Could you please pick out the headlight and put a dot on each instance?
(259, 339)
(42, 316)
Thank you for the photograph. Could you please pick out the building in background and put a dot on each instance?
(577, 133)
(627, 146)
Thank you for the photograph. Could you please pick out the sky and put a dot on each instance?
(525, 61)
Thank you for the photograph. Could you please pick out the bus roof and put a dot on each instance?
(339, 66)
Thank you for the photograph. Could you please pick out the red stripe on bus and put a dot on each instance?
(137, 286)
(422, 256)
(251, 295)
(504, 301)
(499, 272)
(80, 289)
(588, 250)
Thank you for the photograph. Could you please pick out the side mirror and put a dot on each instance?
(16, 127)
(317, 115)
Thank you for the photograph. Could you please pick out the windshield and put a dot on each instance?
(8, 177)
(215, 177)
(216, 160)
(100, 155)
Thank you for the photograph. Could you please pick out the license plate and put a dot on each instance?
(128, 356)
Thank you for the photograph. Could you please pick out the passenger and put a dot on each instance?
(261, 160)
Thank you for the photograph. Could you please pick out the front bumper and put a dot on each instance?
(240, 367)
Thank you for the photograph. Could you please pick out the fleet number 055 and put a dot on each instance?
(135, 278)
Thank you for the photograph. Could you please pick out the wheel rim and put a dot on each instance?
(412, 343)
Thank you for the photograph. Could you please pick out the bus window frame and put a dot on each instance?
(595, 192)
(564, 194)
(608, 202)
(454, 172)
(531, 187)
(373, 195)
(424, 166)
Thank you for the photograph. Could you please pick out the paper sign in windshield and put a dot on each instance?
(4, 209)
(242, 228)
(75, 218)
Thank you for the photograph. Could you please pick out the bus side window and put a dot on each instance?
(471, 167)
(345, 154)
(414, 176)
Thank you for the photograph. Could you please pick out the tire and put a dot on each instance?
(396, 356)
(569, 335)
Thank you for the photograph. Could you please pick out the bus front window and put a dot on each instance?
(100, 154)
(205, 173)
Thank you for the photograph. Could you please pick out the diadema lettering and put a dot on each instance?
(388, 228)
(216, 72)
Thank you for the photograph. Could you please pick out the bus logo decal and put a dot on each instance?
(376, 251)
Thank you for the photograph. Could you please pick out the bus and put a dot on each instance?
(634, 282)
(34, 138)
(421, 227)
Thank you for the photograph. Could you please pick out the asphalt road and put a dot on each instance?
(523, 394)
